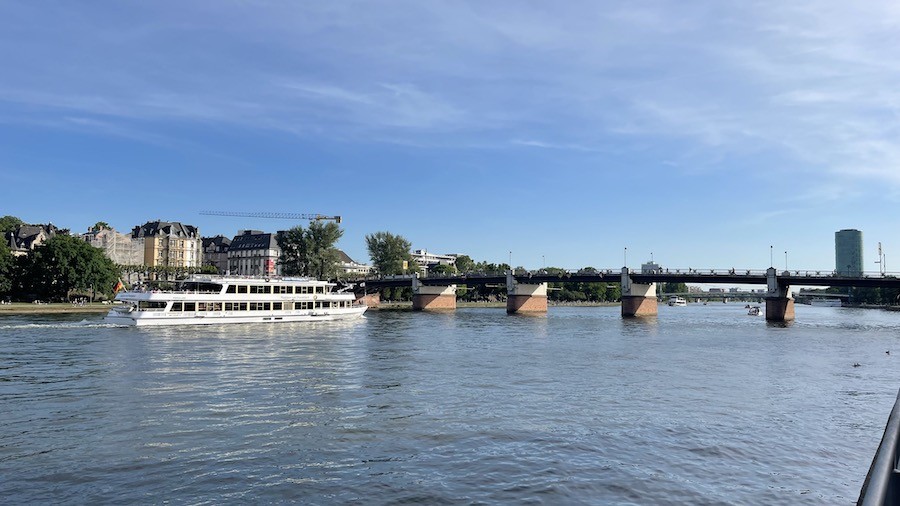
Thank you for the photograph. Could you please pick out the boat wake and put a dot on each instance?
(60, 325)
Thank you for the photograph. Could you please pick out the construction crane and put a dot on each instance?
(282, 216)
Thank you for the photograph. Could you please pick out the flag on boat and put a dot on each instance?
(119, 287)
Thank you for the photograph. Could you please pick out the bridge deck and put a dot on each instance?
(790, 278)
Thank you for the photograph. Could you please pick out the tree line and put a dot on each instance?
(65, 266)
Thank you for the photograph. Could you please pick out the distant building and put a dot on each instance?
(651, 268)
(215, 252)
(122, 249)
(169, 244)
(349, 266)
(716, 290)
(254, 253)
(27, 237)
(848, 252)
(426, 259)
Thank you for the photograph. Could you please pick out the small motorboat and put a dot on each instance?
(754, 311)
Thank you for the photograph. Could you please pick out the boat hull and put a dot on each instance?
(160, 318)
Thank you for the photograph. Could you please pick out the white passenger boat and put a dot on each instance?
(754, 311)
(677, 301)
(204, 300)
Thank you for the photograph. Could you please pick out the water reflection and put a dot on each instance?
(576, 406)
(640, 326)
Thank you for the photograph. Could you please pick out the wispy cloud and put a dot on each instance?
(801, 87)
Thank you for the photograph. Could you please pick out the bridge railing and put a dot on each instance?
(687, 271)
(882, 485)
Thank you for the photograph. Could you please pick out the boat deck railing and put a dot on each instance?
(882, 485)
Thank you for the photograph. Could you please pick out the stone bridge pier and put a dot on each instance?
(525, 298)
(427, 297)
(637, 299)
(779, 301)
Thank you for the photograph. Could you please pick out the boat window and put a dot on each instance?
(201, 306)
(303, 289)
(242, 289)
(151, 305)
(190, 306)
(276, 306)
(176, 306)
(231, 289)
(229, 306)
(283, 289)
(216, 306)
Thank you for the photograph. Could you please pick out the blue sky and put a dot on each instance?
(702, 132)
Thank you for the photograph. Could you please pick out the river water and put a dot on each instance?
(701, 405)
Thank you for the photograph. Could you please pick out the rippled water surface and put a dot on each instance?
(702, 405)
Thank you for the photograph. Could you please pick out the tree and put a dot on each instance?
(7, 268)
(9, 224)
(673, 287)
(388, 252)
(465, 264)
(65, 264)
(310, 252)
(442, 270)
(100, 225)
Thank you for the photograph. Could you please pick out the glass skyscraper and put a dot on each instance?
(848, 252)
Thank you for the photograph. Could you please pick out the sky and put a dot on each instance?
(706, 134)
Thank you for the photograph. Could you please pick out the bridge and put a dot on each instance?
(527, 291)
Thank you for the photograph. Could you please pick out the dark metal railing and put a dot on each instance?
(882, 485)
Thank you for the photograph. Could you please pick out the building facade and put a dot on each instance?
(848, 252)
(426, 259)
(254, 253)
(122, 249)
(27, 237)
(215, 252)
(169, 244)
(349, 266)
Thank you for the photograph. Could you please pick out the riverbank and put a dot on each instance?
(54, 308)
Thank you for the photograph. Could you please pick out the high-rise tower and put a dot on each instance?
(848, 252)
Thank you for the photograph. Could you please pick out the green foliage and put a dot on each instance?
(310, 252)
(64, 265)
(673, 287)
(388, 252)
(465, 264)
(100, 225)
(9, 223)
(209, 269)
(7, 269)
(442, 270)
